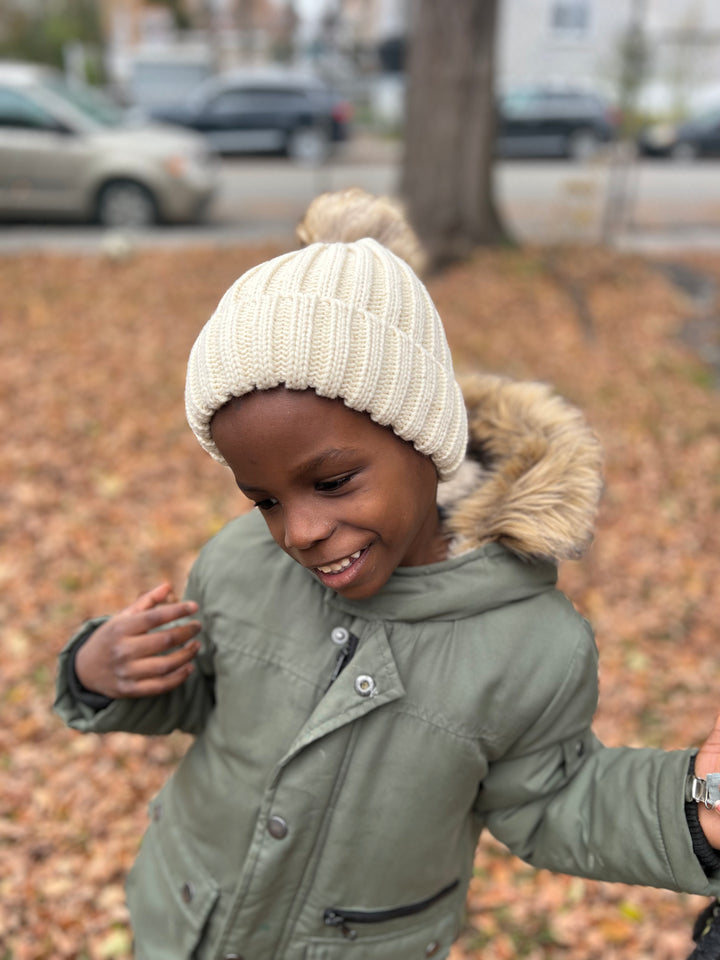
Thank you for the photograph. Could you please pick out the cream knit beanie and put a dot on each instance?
(348, 320)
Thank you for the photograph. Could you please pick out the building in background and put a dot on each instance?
(663, 54)
(359, 45)
(581, 42)
(155, 56)
(152, 59)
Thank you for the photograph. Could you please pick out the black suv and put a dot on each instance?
(265, 112)
(549, 122)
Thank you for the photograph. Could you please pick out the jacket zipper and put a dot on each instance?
(339, 917)
(345, 655)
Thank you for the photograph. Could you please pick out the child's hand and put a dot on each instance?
(708, 761)
(120, 659)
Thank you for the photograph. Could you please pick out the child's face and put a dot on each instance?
(342, 496)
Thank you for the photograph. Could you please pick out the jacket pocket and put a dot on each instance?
(412, 931)
(170, 897)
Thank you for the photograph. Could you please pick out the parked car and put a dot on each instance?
(68, 152)
(271, 111)
(550, 122)
(697, 137)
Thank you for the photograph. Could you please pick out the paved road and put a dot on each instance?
(647, 206)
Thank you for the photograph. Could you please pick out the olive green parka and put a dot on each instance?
(325, 813)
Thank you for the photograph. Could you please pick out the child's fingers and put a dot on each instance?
(151, 598)
(151, 667)
(140, 622)
(131, 675)
(146, 645)
(154, 686)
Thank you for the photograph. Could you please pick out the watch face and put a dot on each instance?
(713, 789)
(705, 791)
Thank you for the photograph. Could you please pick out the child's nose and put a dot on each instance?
(305, 526)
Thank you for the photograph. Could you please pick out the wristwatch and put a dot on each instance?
(705, 791)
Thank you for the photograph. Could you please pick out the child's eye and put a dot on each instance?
(266, 504)
(329, 486)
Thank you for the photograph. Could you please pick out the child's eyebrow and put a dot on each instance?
(326, 459)
(323, 461)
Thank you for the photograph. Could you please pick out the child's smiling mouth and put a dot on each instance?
(341, 572)
(339, 565)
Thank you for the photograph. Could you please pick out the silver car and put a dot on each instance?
(67, 152)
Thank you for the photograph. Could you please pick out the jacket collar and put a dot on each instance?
(462, 586)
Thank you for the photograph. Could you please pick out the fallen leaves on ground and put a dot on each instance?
(105, 492)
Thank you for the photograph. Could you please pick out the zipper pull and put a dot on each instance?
(343, 658)
(334, 919)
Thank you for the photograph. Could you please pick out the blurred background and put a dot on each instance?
(230, 115)
(560, 160)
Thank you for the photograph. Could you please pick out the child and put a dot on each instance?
(377, 671)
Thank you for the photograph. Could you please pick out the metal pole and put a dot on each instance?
(623, 176)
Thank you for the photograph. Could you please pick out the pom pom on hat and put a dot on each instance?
(351, 214)
(347, 320)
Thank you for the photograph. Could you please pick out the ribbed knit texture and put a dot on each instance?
(348, 320)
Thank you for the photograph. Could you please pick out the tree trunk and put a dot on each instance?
(447, 168)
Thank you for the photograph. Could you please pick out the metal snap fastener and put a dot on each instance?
(579, 748)
(187, 892)
(432, 948)
(340, 636)
(365, 685)
(277, 827)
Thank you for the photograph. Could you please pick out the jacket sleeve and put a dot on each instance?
(561, 800)
(186, 708)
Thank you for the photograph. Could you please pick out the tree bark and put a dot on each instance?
(447, 170)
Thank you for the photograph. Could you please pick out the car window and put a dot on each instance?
(254, 100)
(278, 99)
(517, 104)
(91, 103)
(17, 110)
(549, 104)
(708, 121)
(229, 101)
(566, 105)
(576, 103)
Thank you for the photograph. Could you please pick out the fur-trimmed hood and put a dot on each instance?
(532, 477)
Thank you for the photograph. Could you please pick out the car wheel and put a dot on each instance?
(583, 145)
(126, 203)
(683, 151)
(308, 145)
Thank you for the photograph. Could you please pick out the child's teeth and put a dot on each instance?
(341, 564)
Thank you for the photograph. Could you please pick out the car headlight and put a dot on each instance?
(661, 135)
(177, 165)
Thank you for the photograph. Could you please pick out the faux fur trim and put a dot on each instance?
(532, 478)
